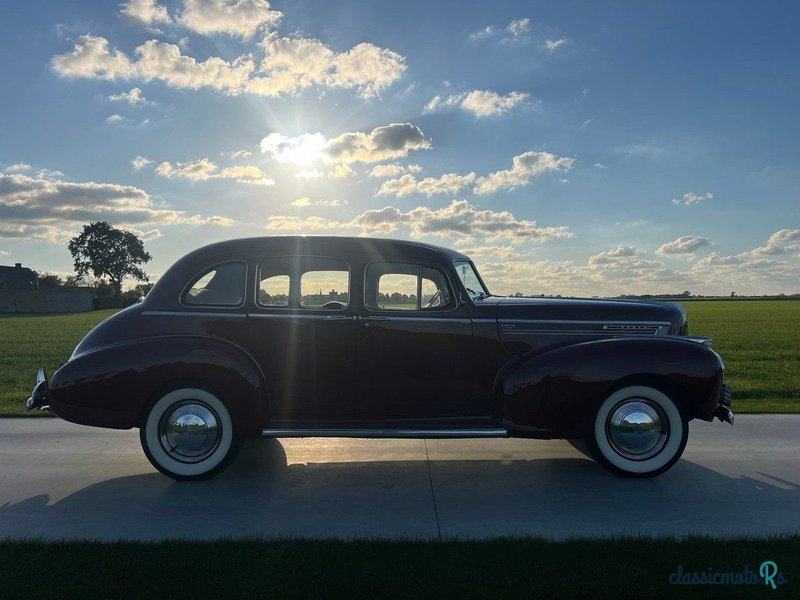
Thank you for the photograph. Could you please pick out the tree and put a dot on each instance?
(105, 251)
(50, 280)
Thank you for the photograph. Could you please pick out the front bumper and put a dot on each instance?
(38, 397)
(723, 411)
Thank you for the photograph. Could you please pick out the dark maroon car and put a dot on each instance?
(361, 337)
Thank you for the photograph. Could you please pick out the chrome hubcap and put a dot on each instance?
(189, 432)
(637, 429)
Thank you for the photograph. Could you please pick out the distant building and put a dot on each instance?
(18, 278)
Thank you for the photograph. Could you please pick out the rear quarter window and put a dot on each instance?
(221, 285)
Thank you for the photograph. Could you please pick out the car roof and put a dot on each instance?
(361, 249)
(328, 246)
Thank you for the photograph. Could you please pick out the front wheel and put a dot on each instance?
(188, 435)
(638, 432)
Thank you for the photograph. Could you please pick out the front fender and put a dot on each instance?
(557, 393)
(112, 385)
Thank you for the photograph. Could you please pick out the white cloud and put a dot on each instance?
(18, 168)
(615, 255)
(449, 183)
(752, 272)
(308, 174)
(300, 150)
(240, 18)
(203, 169)
(599, 166)
(340, 172)
(553, 45)
(293, 64)
(367, 68)
(392, 170)
(689, 198)
(484, 103)
(686, 244)
(305, 202)
(47, 209)
(431, 105)
(91, 58)
(134, 96)
(240, 154)
(395, 140)
(145, 12)
(783, 241)
(140, 162)
(481, 103)
(524, 168)
(115, 118)
(290, 65)
(459, 219)
(519, 28)
(486, 32)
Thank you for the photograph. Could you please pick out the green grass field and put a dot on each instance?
(500, 568)
(759, 340)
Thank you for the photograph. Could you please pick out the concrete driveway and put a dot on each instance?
(59, 480)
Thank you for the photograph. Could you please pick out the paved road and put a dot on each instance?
(62, 480)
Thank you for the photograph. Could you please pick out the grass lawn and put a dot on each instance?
(759, 340)
(500, 568)
(30, 342)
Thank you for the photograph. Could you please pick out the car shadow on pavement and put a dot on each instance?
(556, 497)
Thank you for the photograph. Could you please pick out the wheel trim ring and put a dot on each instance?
(171, 438)
(633, 420)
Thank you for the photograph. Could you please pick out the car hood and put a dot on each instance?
(618, 313)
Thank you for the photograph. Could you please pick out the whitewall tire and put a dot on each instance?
(188, 434)
(638, 431)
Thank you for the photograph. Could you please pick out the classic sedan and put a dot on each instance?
(362, 337)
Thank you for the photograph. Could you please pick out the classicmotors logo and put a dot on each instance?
(767, 574)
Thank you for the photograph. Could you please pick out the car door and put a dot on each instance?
(414, 342)
(303, 332)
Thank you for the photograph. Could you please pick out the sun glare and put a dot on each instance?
(302, 150)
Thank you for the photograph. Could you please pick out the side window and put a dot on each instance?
(397, 291)
(406, 286)
(222, 285)
(325, 284)
(304, 282)
(274, 291)
(435, 293)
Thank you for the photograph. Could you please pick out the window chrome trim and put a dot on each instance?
(257, 286)
(577, 322)
(303, 317)
(206, 271)
(453, 300)
(477, 273)
(478, 432)
(179, 313)
(398, 318)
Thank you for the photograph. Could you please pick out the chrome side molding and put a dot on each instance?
(389, 432)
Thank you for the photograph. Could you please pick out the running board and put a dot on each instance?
(479, 432)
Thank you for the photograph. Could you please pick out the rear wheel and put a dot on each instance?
(188, 435)
(638, 432)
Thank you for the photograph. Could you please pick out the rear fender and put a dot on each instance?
(113, 385)
(557, 393)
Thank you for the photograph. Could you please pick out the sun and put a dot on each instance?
(302, 150)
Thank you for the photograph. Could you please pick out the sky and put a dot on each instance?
(571, 148)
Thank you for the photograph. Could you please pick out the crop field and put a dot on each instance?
(759, 340)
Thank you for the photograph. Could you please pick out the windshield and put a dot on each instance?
(471, 280)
